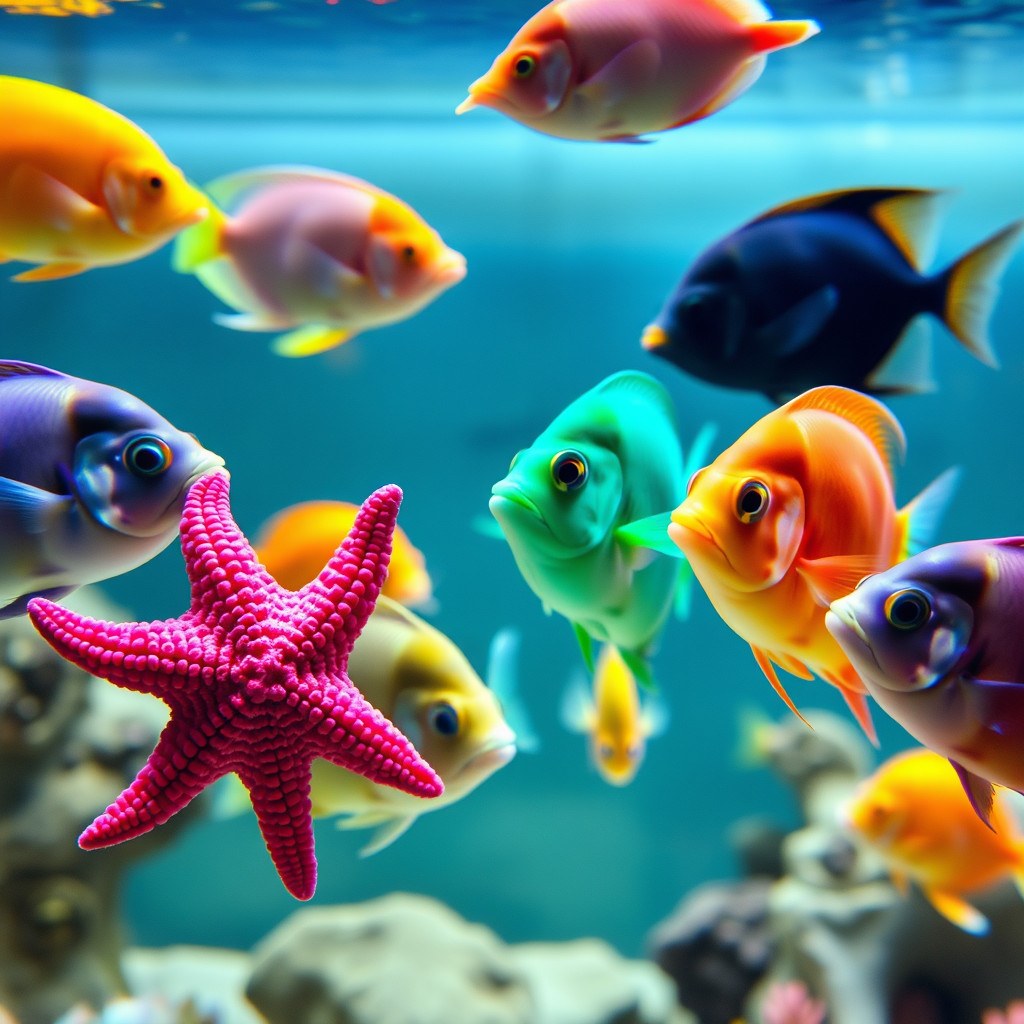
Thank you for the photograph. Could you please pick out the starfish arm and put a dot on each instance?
(339, 601)
(280, 797)
(179, 768)
(353, 734)
(135, 655)
(222, 566)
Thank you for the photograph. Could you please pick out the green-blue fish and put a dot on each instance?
(610, 458)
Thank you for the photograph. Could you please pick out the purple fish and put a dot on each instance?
(92, 482)
(939, 642)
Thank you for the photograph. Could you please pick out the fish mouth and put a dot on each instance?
(841, 622)
(503, 492)
(451, 269)
(685, 521)
(494, 756)
(209, 464)
(654, 337)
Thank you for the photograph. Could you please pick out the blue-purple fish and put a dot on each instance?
(92, 482)
(938, 642)
(829, 289)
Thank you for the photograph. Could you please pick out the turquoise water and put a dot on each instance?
(571, 249)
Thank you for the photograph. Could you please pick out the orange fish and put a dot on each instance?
(617, 724)
(793, 516)
(608, 70)
(80, 185)
(913, 812)
(299, 537)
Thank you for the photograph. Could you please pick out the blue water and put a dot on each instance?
(571, 249)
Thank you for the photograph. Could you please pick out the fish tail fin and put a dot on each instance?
(918, 521)
(971, 290)
(199, 243)
(777, 35)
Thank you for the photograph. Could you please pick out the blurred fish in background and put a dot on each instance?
(316, 254)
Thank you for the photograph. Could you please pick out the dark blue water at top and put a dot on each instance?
(571, 249)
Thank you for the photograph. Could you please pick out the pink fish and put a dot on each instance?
(606, 70)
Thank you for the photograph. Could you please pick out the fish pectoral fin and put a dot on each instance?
(861, 710)
(584, 639)
(739, 83)
(763, 659)
(836, 576)
(310, 341)
(576, 711)
(385, 835)
(654, 716)
(51, 272)
(979, 791)
(33, 509)
(628, 73)
(651, 533)
(957, 910)
(488, 526)
(364, 819)
(798, 327)
(52, 202)
(682, 600)
(502, 678)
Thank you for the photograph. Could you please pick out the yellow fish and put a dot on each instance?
(297, 540)
(81, 186)
(613, 718)
(913, 812)
(423, 683)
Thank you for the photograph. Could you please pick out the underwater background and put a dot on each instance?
(571, 249)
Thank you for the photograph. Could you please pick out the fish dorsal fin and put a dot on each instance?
(228, 190)
(865, 413)
(911, 221)
(640, 384)
(909, 217)
(743, 11)
(15, 368)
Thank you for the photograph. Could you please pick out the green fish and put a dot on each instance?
(611, 458)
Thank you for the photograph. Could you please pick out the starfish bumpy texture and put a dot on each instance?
(255, 677)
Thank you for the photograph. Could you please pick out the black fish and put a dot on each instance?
(828, 290)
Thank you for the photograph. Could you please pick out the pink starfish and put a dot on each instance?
(255, 677)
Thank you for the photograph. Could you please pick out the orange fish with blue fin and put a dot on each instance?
(792, 516)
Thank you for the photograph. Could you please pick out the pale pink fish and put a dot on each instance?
(610, 70)
(316, 254)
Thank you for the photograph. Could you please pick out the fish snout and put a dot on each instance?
(654, 337)
(450, 268)
(504, 491)
(686, 519)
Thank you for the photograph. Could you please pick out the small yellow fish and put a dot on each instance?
(296, 542)
(81, 186)
(423, 683)
(912, 810)
(617, 724)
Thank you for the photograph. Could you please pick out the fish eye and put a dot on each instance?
(753, 501)
(524, 66)
(147, 455)
(409, 253)
(444, 719)
(569, 470)
(606, 751)
(155, 182)
(907, 609)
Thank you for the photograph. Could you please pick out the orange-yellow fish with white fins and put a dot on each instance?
(81, 186)
(608, 70)
(792, 516)
(316, 254)
(613, 718)
(913, 812)
(291, 543)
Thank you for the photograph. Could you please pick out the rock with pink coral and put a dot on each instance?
(789, 1002)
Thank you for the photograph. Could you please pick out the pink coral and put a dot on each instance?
(789, 1002)
(1013, 1014)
